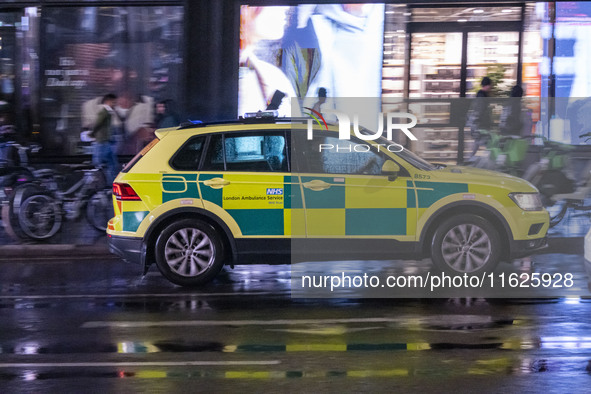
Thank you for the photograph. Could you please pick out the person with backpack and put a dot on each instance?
(102, 132)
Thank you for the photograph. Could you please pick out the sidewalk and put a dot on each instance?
(76, 239)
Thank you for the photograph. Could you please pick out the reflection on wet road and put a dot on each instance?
(99, 324)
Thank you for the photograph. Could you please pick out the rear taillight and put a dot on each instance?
(125, 192)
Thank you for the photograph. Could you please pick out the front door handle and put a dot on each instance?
(216, 183)
(316, 185)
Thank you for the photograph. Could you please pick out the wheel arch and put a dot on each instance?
(461, 207)
(149, 241)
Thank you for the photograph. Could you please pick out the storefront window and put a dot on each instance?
(18, 70)
(393, 71)
(133, 52)
(466, 14)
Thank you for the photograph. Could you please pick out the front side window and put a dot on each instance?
(330, 155)
(247, 152)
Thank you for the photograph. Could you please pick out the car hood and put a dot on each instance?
(484, 177)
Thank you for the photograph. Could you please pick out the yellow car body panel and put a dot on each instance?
(267, 204)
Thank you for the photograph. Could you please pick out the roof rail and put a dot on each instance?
(241, 120)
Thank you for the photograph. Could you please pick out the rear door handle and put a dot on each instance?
(317, 185)
(216, 183)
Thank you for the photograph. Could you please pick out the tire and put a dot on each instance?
(39, 217)
(466, 243)
(99, 209)
(189, 252)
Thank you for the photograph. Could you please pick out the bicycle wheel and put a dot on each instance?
(557, 212)
(39, 216)
(10, 210)
(100, 209)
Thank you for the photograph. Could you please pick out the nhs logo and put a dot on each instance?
(274, 192)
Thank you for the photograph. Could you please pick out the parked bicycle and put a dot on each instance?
(563, 194)
(503, 153)
(551, 173)
(14, 167)
(37, 209)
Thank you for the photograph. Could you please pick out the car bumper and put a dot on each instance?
(527, 247)
(128, 248)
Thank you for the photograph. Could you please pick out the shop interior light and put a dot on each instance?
(478, 11)
(462, 20)
(507, 10)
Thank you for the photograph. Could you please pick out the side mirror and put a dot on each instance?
(391, 169)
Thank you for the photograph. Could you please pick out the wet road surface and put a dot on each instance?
(98, 326)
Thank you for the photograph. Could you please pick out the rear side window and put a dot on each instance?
(251, 152)
(141, 154)
(188, 156)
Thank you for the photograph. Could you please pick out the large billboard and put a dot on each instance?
(295, 52)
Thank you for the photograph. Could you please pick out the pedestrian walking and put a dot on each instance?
(479, 116)
(104, 150)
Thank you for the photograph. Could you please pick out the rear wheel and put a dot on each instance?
(466, 244)
(189, 252)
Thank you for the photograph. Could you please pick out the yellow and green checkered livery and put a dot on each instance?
(253, 215)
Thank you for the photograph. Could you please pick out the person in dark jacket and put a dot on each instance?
(165, 115)
(480, 116)
(104, 153)
(511, 122)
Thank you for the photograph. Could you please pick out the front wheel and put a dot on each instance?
(189, 252)
(466, 244)
(13, 214)
(39, 216)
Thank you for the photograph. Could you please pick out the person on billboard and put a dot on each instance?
(259, 81)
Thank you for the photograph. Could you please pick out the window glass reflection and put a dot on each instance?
(134, 52)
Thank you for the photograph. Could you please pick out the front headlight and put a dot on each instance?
(527, 201)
